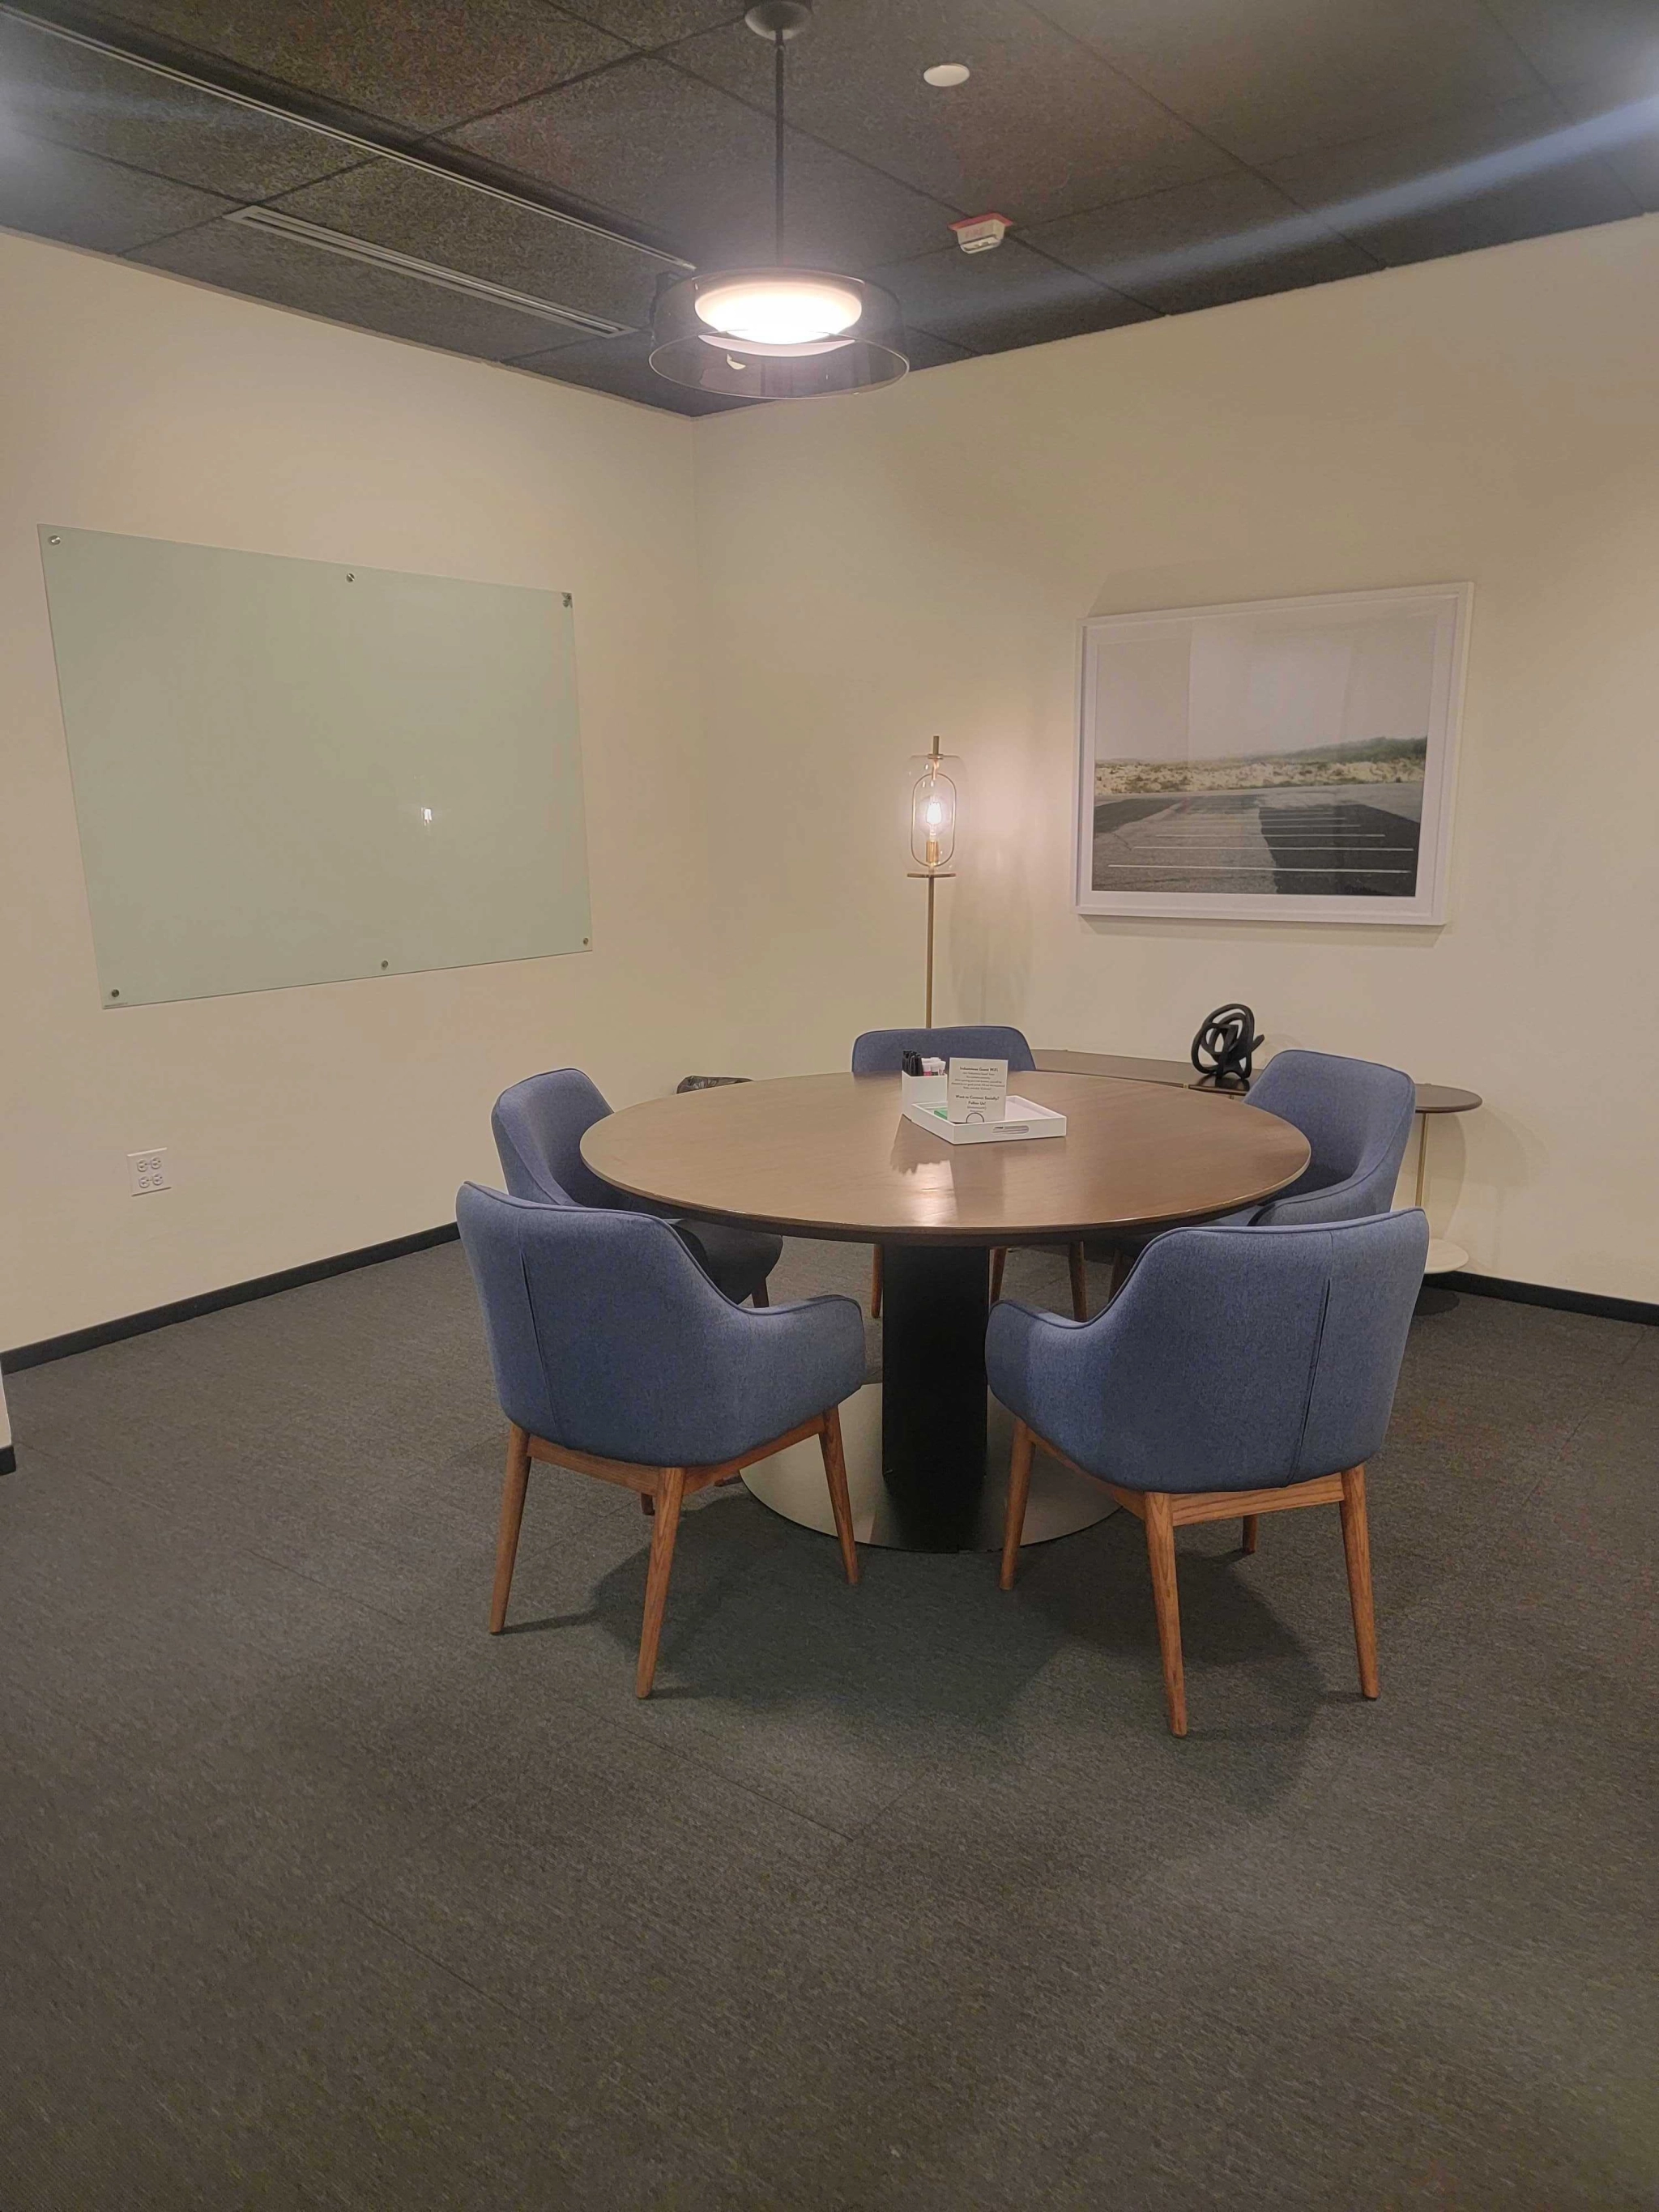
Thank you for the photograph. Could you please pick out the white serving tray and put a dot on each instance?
(1026, 1119)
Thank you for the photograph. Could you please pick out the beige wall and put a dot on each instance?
(305, 1122)
(879, 567)
(854, 576)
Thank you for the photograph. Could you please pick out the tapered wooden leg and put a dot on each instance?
(1122, 1260)
(1160, 1557)
(834, 1470)
(1357, 1544)
(875, 1284)
(1250, 1522)
(999, 1261)
(507, 1541)
(760, 1295)
(1019, 1489)
(1080, 1264)
(664, 1529)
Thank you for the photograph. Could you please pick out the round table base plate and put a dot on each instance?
(1444, 1256)
(792, 1483)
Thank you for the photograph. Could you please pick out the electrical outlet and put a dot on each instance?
(149, 1171)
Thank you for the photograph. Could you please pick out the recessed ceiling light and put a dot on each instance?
(946, 73)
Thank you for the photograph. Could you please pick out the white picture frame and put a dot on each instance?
(1272, 760)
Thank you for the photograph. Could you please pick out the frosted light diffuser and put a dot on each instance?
(780, 308)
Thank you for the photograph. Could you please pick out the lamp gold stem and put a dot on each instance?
(932, 887)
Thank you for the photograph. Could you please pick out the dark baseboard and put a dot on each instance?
(7, 1459)
(233, 1294)
(1542, 1294)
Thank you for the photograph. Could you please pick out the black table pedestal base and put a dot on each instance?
(793, 1484)
(927, 1450)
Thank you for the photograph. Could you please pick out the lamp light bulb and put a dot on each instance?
(779, 309)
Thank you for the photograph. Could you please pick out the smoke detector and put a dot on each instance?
(978, 233)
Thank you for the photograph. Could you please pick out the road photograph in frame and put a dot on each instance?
(1276, 760)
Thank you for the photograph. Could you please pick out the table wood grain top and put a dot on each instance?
(831, 1156)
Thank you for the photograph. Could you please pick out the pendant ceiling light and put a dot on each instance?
(782, 332)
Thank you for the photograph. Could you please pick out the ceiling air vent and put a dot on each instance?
(423, 272)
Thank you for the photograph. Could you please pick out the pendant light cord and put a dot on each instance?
(777, 156)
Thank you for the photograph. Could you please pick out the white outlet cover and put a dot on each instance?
(149, 1171)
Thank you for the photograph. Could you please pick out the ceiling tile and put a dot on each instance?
(268, 267)
(622, 366)
(660, 148)
(58, 193)
(1269, 78)
(922, 350)
(53, 88)
(1010, 297)
(1602, 58)
(441, 220)
(1483, 181)
(1631, 143)
(659, 22)
(1198, 246)
(1614, 43)
(1041, 127)
(422, 64)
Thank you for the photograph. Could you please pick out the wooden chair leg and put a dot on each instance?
(840, 1504)
(1250, 1520)
(1079, 1260)
(875, 1284)
(1122, 1260)
(1357, 1544)
(1161, 1557)
(506, 1541)
(1019, 1489)
(760, 1295)
(999, 1261)
(664, 1528)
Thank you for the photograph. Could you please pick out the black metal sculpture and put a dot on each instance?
(1223, 1049)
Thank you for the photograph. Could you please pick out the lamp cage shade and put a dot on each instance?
(935, 797)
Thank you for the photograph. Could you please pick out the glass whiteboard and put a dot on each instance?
(294, 772)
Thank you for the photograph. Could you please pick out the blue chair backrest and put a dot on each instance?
(538, 1125)
(599, 1324)
(1356, 1115)
(878, 1052)
(1244, 1358)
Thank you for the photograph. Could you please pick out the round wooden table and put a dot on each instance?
(831, 1156)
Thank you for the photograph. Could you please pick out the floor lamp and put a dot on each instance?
(935, 781)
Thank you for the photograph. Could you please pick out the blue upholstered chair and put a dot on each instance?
(878, 1052)
(539, 1125)
(1356, 1115)
(1239, 1371)
(614, 1355)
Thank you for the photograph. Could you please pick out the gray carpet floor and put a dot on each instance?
(901, 1897)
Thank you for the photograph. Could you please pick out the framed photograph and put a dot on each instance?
(1281, 759)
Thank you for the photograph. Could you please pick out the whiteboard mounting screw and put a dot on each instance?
(58, 541)
(115, 994)
(567, 596)
(351, 577)
(385, 963)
